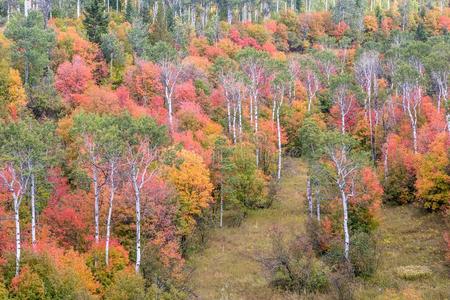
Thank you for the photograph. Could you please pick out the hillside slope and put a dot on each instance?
(228, 268)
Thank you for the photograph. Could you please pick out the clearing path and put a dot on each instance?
(228, 267)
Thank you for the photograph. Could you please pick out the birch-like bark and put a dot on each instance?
(221, 205)
(279, 139)
(309, 196)
(137, 195)
(169, 77)
(17, 225)
(318, 207)
(112, 190)
(345, 223)
(16, 186)
(33, 210)
(96, 204)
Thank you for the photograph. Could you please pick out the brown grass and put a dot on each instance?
(411, 241)
(229, 268)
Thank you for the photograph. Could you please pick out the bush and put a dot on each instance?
(28, 286)
(118, 260)
(127, 285)
(294, 268)
(399, 186)
(363, 254)
(3, 291)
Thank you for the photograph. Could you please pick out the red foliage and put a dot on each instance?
(72, 79)
(185, 92)
(350, 118)
(340, 29)
(435, 124)
(67, 214)
(444, 23)
(143, 82)
(159, 224)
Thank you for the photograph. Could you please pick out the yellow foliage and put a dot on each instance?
(16, 91)
(192, 182)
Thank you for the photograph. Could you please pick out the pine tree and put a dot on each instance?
(96, 20)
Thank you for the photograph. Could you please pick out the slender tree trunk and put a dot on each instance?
(138, 218)
(309, 196)
(169, 106)
(240, 117)
(346, 232)
(17, 224)
(33, 211)
(96, 205)
(279, 142)
(110, 209)
(229, 14)
(221, 205)
(228, 112)
(342, 121)
(234, 124)
(78, 9)
(318, 207)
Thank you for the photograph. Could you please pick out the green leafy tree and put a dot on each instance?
(31, 45)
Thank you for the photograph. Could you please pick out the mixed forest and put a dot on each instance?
(129, 130)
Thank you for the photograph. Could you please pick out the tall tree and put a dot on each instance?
(367, 71)
(95, 20)
(17, 149)
(171, 68)
(143, 139)
(339, 150)
(31, 46)
(254, 65)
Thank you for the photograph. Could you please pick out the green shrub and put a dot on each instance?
(127, 285)
(363, 254)
(399, 186)
(294, 268)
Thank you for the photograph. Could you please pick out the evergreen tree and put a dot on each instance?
(129, 12)
(95, 20)
(159, 31)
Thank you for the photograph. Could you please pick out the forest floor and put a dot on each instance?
(228, 268)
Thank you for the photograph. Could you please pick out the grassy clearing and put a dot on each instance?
(228, 268)
(411, 242)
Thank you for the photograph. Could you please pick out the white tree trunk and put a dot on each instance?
(17, 223)
(78, 9)
(345, 224)
(221, 205)
(169, 106)
(26, 7)
(318, 207)
(33, 211)
(279, 141)
(137, 195)
(309, 196)
(96, 205)
(110, 209)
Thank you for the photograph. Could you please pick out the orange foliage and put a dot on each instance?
(370, 24)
